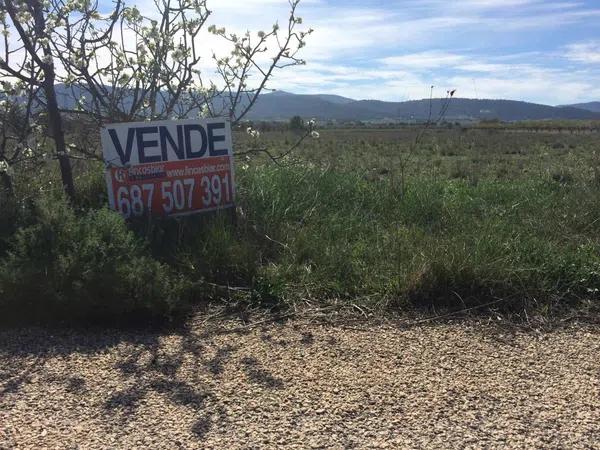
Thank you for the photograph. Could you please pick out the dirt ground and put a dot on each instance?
(301, 385)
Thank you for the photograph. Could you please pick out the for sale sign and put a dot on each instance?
(169, 168)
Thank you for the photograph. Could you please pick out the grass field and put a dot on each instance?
(469, 153)
(484, 214)
(361, 217)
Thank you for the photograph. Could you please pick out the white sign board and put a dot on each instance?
(169, 168)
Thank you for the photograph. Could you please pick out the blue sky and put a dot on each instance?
(543, 51)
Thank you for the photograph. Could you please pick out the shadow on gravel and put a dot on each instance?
(202, 426)
(217, 363)
(154, 368)
(260, 376)
(178, 366)
(126, 400)
(14, 375)
(76, 385)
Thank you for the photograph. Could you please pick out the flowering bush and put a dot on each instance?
(154, 73)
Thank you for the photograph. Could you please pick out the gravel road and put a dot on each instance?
(300, 385)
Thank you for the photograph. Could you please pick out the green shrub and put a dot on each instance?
(91, 186)
(84, 266)
(8, 220)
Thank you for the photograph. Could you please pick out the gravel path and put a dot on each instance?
(297, 385)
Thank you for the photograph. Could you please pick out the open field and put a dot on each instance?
(483, 213)
(468, 153)
(358, 217)
(301, 385)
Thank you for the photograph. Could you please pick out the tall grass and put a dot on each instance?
(342, 236)
(314, 231)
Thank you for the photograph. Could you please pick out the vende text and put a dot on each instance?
(169, 168)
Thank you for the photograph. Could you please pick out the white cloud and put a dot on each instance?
(410, 76)
(397, 50)
(424, 60)
(584, 52)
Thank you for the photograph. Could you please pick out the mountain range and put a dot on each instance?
(591, 106)
(283, 105)
(280, 105)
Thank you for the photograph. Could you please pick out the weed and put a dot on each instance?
(493, 223)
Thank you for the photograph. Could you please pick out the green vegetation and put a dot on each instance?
(486, 215)
(555, 125)
(296, 123)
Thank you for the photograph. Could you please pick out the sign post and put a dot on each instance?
(169, 168)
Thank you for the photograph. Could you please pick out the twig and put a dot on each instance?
(277, 242)
(275, 158)
(462, 311)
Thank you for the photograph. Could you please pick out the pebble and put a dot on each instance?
(468, 384)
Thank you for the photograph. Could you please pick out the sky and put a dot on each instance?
(544, 51)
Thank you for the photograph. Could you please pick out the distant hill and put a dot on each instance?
(337, 99)
(285, 105)
(591, 106)
(280, 105)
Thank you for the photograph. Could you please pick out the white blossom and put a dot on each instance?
(132, 14)
(24, 16)
(78, 5)
(253, 133)
(124, 79)
(205, 111)
(81, 103)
